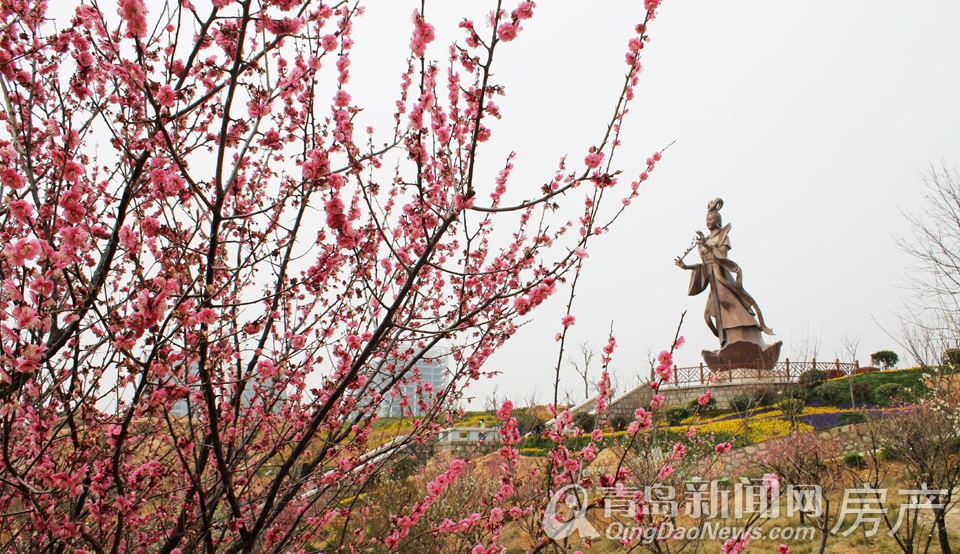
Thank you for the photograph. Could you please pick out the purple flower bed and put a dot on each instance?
(820, 421)
(828, 420)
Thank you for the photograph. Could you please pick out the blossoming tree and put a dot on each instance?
(162, 173)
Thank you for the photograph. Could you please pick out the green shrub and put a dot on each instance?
(791, 390)
(838, 392)
(792, 407)
(832, 392)
(619, 423)
(849, 418)
(403, 468)
(742, 403)
(677, 414)
(854, 459)
(889, 393)
(951, 356)
(812, 377)
(586, 422)
(861, 392)
(884, 358)
(764, 397)
(887, 454)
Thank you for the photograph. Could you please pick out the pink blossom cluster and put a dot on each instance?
(343, 60)
(656, 401)
(134, 14)
(283, 26)
(664, 369)
(643, 420)
(736, 545)
(679, 449)
(501, 182)
(651, 163)
(508, 30)
(593, 159)
(316, 166)
(423, 34)
(771, 481)
(536, 296)
(23, 251)
(634, 46)
(606, 354)
(704, 398)
(603, 391)
(339, 221)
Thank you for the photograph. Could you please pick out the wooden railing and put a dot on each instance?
(784, 371)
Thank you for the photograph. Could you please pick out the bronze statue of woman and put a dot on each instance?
(731, 313)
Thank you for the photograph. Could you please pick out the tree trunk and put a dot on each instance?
(824, 526)
(942, 532)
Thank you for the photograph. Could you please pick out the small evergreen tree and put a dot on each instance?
(884, 358)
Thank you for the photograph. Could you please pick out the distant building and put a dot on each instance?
(433, 369)
(181, 407)
(471, 435)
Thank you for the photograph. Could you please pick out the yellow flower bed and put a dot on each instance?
(772, 414)
(825, 410)
(756, 429)
(474, 420)
(397, 427)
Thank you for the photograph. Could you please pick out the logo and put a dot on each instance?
(556, 526)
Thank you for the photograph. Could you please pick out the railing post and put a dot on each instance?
(814, 363)
(788, 369)
(838, 365)
(701, 373)
(676, 378)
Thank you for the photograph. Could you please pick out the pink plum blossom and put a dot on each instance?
(507, 31)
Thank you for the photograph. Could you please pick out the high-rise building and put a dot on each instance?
(432, 368)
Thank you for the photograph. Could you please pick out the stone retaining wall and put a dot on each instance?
(746, 461)
(723, 392)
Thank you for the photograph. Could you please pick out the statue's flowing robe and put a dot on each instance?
(728, 305)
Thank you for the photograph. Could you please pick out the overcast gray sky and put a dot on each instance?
(811, 121)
